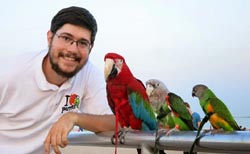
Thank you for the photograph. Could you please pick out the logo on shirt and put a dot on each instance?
(72, 102)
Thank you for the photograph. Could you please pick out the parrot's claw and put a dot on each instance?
(207, 130)
(214, 131)
(122, 139)
(121, 136)
(171, 131)
(113, 139)
(161, 133)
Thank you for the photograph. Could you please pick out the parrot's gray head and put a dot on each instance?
(198, 90)
(153, 84)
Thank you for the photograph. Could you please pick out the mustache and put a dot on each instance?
(70, 55)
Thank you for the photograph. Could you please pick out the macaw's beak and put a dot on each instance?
(110, 70)
(113, 72)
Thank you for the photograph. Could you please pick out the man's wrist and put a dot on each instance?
(74, 117)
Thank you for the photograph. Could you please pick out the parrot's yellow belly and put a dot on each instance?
(218, 123)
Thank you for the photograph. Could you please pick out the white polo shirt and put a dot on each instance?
(29, 105)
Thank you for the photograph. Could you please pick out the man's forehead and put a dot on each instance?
(78, 32)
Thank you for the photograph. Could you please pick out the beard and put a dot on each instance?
(57, 68)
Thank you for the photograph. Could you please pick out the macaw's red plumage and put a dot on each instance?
(127, 95)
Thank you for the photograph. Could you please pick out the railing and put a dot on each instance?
(220, 142)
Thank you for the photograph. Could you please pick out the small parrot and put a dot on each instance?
(217, 112)
(182, 118)
(127, 95)
(157, 92)
(179, 112)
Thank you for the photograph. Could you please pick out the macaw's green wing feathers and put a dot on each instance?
(223, 112)
(127, 96)
(142, 110)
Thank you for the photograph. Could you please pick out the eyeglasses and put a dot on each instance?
(81, 44)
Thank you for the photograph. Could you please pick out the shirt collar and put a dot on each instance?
(41, 80)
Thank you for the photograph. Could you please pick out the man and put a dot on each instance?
(44, 95)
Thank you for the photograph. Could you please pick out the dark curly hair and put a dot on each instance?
(75, 16)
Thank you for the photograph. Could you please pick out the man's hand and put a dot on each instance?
(58, 134)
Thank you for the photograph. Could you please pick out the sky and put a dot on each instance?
(182, 43)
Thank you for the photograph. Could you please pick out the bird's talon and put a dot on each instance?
(122, 140)
(113, 139)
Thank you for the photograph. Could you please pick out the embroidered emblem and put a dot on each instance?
(72, 102)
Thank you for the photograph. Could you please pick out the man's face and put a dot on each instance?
(69, 49)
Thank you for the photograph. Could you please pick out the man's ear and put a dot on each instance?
(49, 37)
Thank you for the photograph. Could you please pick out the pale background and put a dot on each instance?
(180, 42)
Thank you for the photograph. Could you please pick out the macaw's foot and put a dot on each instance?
(120, 135)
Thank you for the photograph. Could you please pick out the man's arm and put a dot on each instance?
(96, 123)
(58, 134)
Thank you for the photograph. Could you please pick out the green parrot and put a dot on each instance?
(216, 111)
(181, 117)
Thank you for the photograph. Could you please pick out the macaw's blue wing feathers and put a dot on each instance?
(127, 96)
(142, 110)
